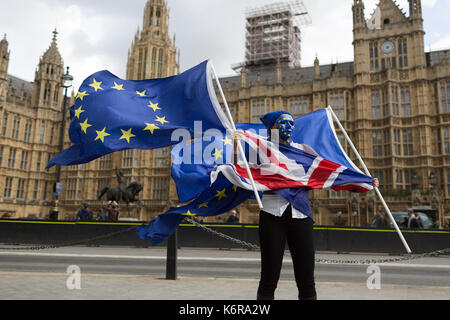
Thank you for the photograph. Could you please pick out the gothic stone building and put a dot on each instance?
(152, 55)
(393, 100)
(30, 115)
(30, 120)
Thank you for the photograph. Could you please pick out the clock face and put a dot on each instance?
(387, 47)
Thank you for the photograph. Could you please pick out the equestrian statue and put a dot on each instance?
(124, 192)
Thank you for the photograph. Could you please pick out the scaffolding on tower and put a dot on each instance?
(273, 33)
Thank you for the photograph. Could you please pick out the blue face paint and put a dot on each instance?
(285, 126)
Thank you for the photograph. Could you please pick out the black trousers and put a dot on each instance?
(273, 233)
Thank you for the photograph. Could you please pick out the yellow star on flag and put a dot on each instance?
(221, 194)
(227, 141)
(235, 188)
(85, 125)
(118, 87)
(217, 154)
(78, 112)
(142, 93)
(101, 135)
(161, 120)
(96, 85)
(126, 135)
(81, 95)
(189, 213)
(151, 127)
(203, 205)
(154, 106)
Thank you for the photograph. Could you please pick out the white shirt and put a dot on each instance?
(276, 204)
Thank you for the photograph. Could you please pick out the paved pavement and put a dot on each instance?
(15, 285)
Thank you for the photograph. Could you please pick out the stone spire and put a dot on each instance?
(4, 62)
(316, 68)
(47, 90)
(153, 53)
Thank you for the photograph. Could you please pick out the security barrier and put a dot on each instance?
(333, 239)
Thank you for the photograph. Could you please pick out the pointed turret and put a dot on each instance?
(4, 57)
(153, 53)
(156, 18)
(279, 72)
(316, 68)
(359, 20)
(4, 62)
(243, 77)
(47, 91)
(415, 9)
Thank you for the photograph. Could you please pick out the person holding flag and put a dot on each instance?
(284, 220)
(111, 114)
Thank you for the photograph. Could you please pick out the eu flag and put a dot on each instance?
(193, 161)
(220, 197)
(111, 114)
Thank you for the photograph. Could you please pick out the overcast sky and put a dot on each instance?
(96, 34)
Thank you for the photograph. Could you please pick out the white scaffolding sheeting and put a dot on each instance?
(296, 7)
(273, 32)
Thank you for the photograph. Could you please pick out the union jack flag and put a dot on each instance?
(288, 170)
(279, 166)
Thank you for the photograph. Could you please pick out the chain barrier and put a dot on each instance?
(69, 244)
(222, 235)
(327, 261)
(241, 243)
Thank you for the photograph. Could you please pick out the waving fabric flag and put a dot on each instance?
(315, 129)
(220, 197)
(290, 166)
(288, 170)
(111, 114)
(192, 163)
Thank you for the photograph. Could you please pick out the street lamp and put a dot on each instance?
(66, 83)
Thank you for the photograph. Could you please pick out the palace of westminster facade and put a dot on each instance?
(393, 100)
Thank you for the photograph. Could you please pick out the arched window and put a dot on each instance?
(153, 62)
(160, 56)
(47, 91)
(55, 96)
(158, 18)
(402, 53)
(150, 17)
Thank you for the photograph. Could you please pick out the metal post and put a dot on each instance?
(171, 262)
(66, 83)
(336, 119)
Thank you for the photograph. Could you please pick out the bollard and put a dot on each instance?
(171, 261)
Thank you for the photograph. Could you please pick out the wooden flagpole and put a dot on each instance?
(368, 173)
(241, 150)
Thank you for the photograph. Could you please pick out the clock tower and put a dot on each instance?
(389, 39)
(391, 105)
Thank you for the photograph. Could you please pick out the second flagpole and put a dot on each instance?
(368, 173)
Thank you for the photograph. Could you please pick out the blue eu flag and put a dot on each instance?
(220, 197)
(111, 114)
(192, 162)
